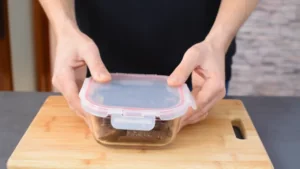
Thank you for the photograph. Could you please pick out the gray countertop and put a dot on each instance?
(277, 120)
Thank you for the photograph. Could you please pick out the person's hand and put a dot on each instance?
(75, 51)
(206, 64)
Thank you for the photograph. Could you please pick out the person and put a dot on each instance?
(191, 41)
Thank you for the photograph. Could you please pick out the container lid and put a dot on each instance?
(134, 102)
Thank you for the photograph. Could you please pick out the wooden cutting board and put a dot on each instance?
(58, 139)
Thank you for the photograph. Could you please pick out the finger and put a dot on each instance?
(182, 121)
(197, 82)
(85, 118)
(212, 88)
(187, 115)
(80, 75)
(190, 111)
(210, 92)
(196, 117)
(181, 125)
(199, 116)
(206, 95)
(65, 82)
(203, 112)
(182, 72)
(96, 66)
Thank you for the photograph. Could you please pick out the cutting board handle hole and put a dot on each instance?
(238, 129)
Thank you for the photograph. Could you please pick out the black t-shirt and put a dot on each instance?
(147, 36)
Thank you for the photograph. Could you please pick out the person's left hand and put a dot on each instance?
(206, 64)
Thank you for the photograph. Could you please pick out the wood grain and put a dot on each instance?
(58, 139)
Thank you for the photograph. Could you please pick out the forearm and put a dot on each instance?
(231, 16)
(61, 14)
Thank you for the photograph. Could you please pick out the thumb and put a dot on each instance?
(97, 67)
(183, 70)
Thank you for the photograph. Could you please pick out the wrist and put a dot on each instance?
(63, 27)
(219, 39)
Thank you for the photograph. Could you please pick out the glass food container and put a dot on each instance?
(134, 110)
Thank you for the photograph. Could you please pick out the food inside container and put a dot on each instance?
(134, 110)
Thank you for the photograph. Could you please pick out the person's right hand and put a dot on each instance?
(75, 51)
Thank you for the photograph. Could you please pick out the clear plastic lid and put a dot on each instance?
(134, 102)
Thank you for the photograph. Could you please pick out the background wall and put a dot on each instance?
(21, 41)
(268, 57)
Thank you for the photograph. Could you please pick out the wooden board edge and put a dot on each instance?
(52, 97)
(251, 121)
(10, 163)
